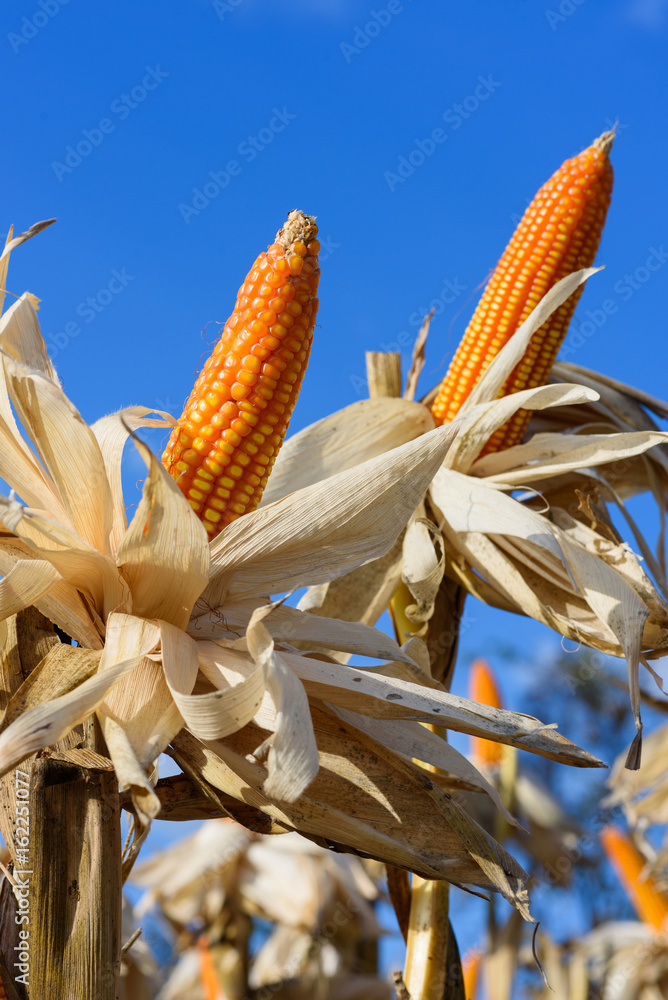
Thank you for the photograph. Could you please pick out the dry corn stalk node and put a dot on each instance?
(225, 442)
(558, 234)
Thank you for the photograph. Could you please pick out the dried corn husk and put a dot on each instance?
(527, 529)
(191, 651)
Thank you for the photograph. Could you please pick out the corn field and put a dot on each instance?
(272, 633)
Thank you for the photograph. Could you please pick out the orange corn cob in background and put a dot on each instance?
(484, 689)
(470, 970)
(559, 233)
(649, 902)
(210, 983)
(225, 443)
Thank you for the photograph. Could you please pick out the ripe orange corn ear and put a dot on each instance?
(210, 983)
(649, 902)
(484, 689)
(225, 443)
(559, 233)
(470, 970)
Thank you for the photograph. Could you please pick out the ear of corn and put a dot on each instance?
(211, 988)
(225, 443)
(470, 969)
(649, 902)
(484, 689)
(558, 234)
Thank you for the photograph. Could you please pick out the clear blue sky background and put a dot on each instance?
(316, 103)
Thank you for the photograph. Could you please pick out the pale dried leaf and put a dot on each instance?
(423, 567)
(362, 595)
(479, 424)
(215, 845)
(131, 776)
(10, 244)
(64, 606)
(112, 433)
(347, 438)
(21, 338)
(381, 696)
(240, 687)
(61, 604)
(643, 794)
(19, 466)
(469, 505)
(365, 799)
(80, 565)
(325, 530)
(47, 723)
(497, 372)
(292, 759)
(615, 603)
(578, 452)
(414, 741)
(165, 553)
(215, 714)
(658, 406)
(142, 703)
(62, 670)
(287, 624)
(26, 582)
(68, 449)
(418, 357)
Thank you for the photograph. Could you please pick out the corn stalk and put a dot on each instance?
(72, 882)
(431, 970)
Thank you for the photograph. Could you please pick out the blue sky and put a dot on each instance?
(170, 139)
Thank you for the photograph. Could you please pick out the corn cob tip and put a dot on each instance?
(298, 231)
(605, 141)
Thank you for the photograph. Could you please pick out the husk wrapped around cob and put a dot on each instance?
(523, 526)
(180, 649)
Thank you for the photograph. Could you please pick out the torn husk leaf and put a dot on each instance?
(517, 527)
(190, 655)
